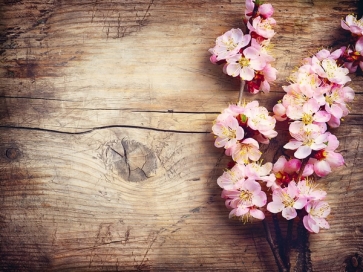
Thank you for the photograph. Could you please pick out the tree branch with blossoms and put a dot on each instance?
(316, 99)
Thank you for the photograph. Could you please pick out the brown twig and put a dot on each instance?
(274, 248)
(241, 89)
(279, 237)
(302, 167)
(303, 263)
(288, 240)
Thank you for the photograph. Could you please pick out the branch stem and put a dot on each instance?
(274, 248)
(241, 89)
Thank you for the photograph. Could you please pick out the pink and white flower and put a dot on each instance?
(265, 10)
(245, 65)
(352, 24)
(229, 44)
(228, 131)
(246, 151)
(245, 201)
(285, 171)
(286, 200)
(336, 99)
(317, 212)
(269, 75)
(334, 73)
(305, 141)
(308, 114)
(309, 191)
(327, 159)
(259, 171)
(233, 178)
(260, 120)
(262, 27)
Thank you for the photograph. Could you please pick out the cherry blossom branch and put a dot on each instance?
(315, 100)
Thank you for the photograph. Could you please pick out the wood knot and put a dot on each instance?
(353, 263)
(12, 153)
(132, 160)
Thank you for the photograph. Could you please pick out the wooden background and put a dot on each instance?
(107, 160)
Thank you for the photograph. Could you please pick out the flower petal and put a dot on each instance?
(302, 152)
(289, 213)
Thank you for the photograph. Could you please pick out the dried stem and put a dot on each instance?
(241, 89)
(288, 240)
(304, 258)
(279, 237)
(274, 248)
(302, 167)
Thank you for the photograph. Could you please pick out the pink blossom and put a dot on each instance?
(245, 65)
(260, 120)
(359, 51)
(245, 151)
(309, 113)
(263, 48)
(286, 166)
(250, 6)
(336, 99)
(286, 200)
(308, 190)
(307, 75)
(229, 44)
(334, 73)
(259, 171)
(269, 74)
(234, 110)
(245, 200)
(297, 95)
(233, 178)
(305, 141)
(279, 112)
(353, 57)
(324, 54)
(285, 171)
(262, 27)
(317, 212)
(266, 10)
(353, 25)
(228, 131)
(326, 159)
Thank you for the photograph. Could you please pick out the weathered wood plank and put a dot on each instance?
(106, 159)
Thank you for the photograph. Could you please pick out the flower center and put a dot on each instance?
(229, 133)
(245, 196)
(230, 44)
(332, 98)
(243, 62)
(287, 200)
(358, 22)
(319, 212)
(307, 118)
(321, 155)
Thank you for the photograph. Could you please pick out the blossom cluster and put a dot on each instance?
(353, 57)
(246, 55)
(316, 99)
(240, 129)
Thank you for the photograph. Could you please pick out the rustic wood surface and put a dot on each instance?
(107, 161)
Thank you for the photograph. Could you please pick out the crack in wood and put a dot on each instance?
(103, 127)
(131, 160)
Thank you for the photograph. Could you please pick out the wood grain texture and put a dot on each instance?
(107, 161)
